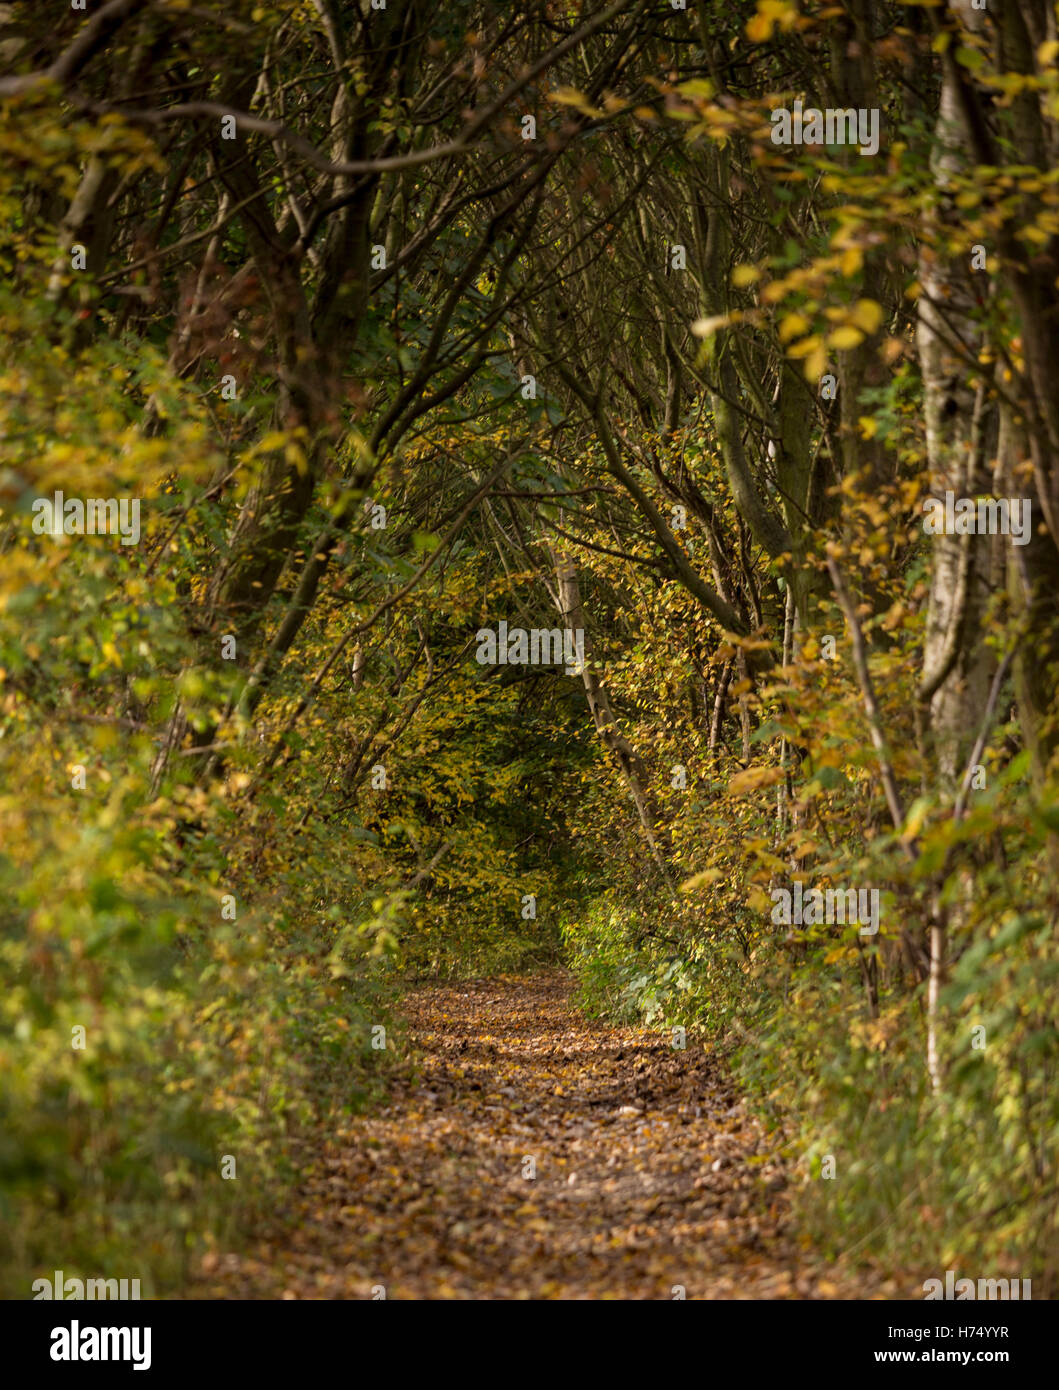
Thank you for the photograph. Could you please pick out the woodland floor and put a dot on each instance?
(650, 1173)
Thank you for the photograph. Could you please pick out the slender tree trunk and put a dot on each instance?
(628, 760)
(957, 665)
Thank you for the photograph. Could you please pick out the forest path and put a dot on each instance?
(650, 1174)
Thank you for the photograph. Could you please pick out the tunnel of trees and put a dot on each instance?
(474, 502)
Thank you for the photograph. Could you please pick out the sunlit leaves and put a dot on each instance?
(771, 14)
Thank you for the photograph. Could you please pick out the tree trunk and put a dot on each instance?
(628, 760)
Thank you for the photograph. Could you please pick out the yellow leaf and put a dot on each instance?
(705, 328)
(805, 347)
(916, 816)
(700, 87)
(792, 326)
(867, 427)
(744, 275)
(867, 315)
(268, 442)
(847, 337)
(757, 900)
(698, 880)
(753, 778)
(815, 365)
(570, 96)
(769, 14)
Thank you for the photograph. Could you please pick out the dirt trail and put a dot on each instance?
(649, 1174)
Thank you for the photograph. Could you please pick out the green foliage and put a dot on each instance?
(222, 864)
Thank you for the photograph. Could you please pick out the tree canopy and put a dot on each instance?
(479, 490)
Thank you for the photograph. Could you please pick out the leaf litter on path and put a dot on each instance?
(529, 1153)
